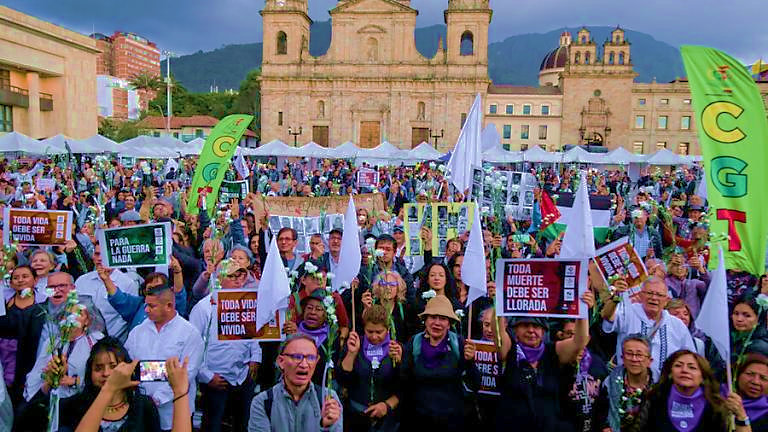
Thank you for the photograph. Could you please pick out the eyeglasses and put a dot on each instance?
(238, 274)
(314, 308)
(388, 283)
(59, 286)
(635, 355)
(298, 358)
(655, 294)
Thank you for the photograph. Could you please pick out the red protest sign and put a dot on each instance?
(619, 259)
(488, 363)
(541, 287)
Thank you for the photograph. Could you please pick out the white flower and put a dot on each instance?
(375, 363)
(328, 301)
(426, 295)
(459, 313)
(329, 275)
(345, 285)
(294, 274)
(323, 179)
(71, 320)
(49, 292)
(370, 243)
(333, 319)
(498, 184)
(26, 293)
(488, 179)
(636, 213)
(485, 210)
(441, 168)
(432, 165)
(509, 210)
(378, 253)
(309, 267)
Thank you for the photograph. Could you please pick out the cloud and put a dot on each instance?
(191, 25)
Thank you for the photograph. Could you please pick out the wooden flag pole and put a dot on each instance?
(469, 322)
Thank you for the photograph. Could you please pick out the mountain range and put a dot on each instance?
(515, 60)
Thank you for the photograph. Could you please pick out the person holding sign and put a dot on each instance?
(370, 372)
(531, 385)
(229, 368)
(434, 363)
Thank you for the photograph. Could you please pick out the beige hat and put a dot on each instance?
(439, 305)
(229, 267)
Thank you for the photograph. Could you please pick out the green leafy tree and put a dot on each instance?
(118, 130)
(249, 99)
(147, 82)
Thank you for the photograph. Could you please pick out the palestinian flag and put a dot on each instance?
(601, 215)
(549, 212)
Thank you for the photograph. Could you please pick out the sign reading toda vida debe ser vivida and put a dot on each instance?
(37, 227)
(236, 316)
(145, 245)
(541, 287)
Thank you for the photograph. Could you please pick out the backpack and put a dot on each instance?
(271, 398)
(453, 341)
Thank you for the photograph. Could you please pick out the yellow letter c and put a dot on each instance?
(710, 117)
(222, 145)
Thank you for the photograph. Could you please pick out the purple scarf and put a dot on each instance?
(318, 334)
(531, 355)
(685, 411)
(378, 351)
(756, 408)
(584, 365)
(432, 355)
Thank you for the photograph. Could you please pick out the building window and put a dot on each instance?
(524, 132)
(686, 101)
(493, 108)
(463, 118)
(683, 148)
(282, 43)
(198, 133)
(543, 132)
(507, 132)
(637, 147)
(6, 118)
(586, 57)
(279, 118)
(611, 58)
(685, 123)
(640, 122)
(526, 110)
(523, 147)
(510, 109)
(577, 58)
(641, 101)
(664, 101)
(663, 122)
(545, 110)
(621, 58)
(661, 145)
(505, 147)
(467, 44)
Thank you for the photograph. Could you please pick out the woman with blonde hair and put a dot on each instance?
(389, 289)
(43, 262)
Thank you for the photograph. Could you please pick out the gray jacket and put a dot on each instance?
(288, 416)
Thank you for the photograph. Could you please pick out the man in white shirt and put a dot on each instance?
(229, 369)
(165, 334)
(94, 285)
(666, 332)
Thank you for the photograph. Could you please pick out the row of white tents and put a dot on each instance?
(385, 154)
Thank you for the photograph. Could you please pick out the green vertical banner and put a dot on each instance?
(733, 133)
(217, 152)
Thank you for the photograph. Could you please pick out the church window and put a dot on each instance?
(577, 58)
(586, 57)
(282, 43)
(467, 44)
(611, 58)
(621, 58)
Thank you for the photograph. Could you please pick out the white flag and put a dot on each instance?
(350, 255)
(579, 240)
(240, 165)
(274, 288)
(473, 268)
(713, 315)
(467, 154)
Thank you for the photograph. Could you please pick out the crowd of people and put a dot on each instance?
(390, 352)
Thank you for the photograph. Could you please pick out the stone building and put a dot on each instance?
(47, 78)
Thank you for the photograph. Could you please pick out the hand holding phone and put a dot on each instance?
(152, 371)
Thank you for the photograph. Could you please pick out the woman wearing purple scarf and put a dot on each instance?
(687, 398)
(369, 370)
(751, 386)
(434, 363)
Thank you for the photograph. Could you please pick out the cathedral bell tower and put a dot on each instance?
(468, 22)
(286, 31)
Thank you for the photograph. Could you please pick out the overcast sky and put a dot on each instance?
(739, 27)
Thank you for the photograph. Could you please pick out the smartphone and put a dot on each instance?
(152, 370)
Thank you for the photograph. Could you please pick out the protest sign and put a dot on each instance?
(236, 318)
(487, 362)
(45, 184)
(367, 177)
(315, 206)
(620, 259)
(37, 227)
(145, 245)
(306, 226)
(541, 287)
(445, 220)
(233, 189)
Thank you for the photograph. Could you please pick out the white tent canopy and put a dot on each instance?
(622, 156)
(665, 157)
(423, 152)
(499, 155)
(55, 144)
(313, 150)
(94, 144)
(275, 148)
(346, 151)
(17, 142)
(579, 155)
(538, 154)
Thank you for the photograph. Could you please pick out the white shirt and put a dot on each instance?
(177, 338)
(228, 359)
(671, 336)
(77, 357)
(92, 285)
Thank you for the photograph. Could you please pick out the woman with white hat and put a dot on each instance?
(434, 363)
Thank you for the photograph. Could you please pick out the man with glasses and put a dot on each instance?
(665, 332)
(286, 245)
(229, 369)
(295, 403)
(331, 258)
(622, 393)
(95, 283)
(165, 334)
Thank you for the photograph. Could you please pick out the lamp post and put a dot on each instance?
(295, 134)
(168, 85)
(436, 136)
